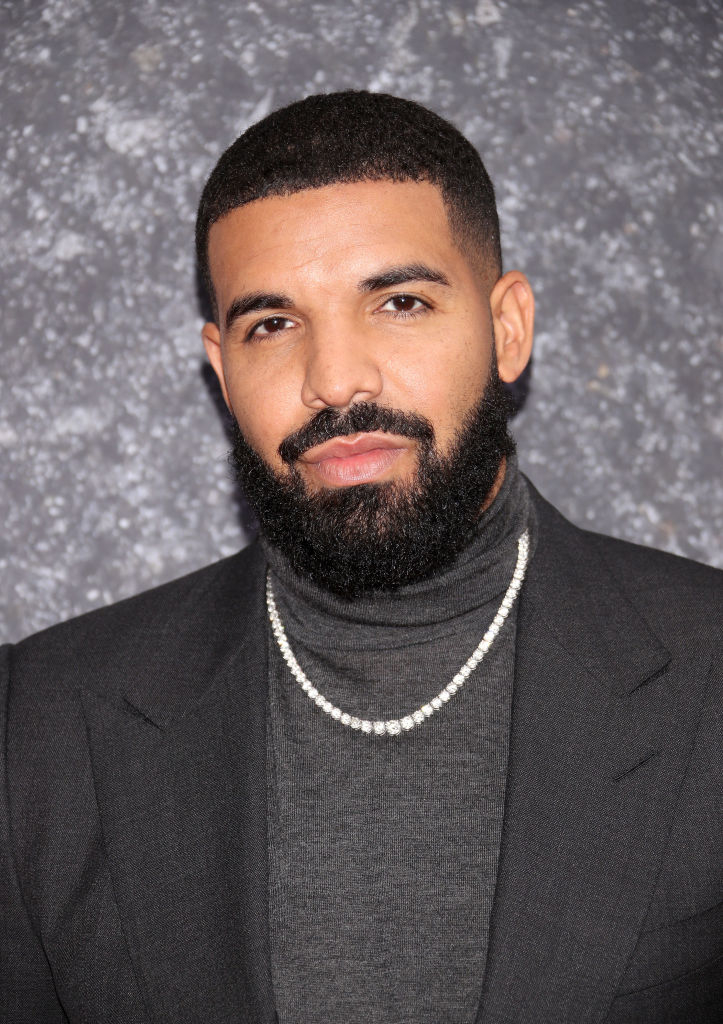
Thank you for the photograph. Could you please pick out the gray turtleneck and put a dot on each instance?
(383, 850)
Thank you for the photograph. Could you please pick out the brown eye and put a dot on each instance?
(402, 304)
(271, 325)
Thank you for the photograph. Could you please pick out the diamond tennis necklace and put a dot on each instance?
(394, 726)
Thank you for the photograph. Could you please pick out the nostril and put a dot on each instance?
(341, 383)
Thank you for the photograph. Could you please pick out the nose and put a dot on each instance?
(340, 369)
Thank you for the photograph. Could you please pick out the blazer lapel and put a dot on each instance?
(182, 798)
(600, 731)
(601, 727)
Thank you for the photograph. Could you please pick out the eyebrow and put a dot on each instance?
(402, 275)
(255, 302)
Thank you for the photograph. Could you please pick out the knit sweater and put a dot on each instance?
(383, 850)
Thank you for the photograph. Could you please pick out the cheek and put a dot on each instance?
(266, 407)
(443, 383)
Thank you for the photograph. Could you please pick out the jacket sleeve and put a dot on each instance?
(27, 991)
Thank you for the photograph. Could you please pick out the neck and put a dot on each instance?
(478, 575)
(495, 489)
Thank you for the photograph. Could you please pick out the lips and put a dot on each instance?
(357, 459)
(346, 447)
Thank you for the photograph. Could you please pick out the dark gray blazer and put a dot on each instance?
(133, 884)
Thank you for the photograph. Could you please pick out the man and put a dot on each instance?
(425, 752)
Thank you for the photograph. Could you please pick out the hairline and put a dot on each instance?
(472, 249)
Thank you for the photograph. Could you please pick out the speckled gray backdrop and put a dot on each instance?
(600, 123)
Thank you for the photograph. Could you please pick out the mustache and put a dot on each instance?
(362, 417)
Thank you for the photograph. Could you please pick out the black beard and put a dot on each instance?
(379, 536)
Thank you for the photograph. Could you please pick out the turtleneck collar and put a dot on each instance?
(479, 575)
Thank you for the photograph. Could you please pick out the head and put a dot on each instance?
(344, 137)
(362, 332)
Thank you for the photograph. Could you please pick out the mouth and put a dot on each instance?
(356, 459)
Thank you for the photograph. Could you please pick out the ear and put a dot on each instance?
(212, 343)
(513, 315)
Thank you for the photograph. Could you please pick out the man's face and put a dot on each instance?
(347, 296)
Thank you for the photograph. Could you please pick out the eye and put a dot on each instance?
(404, 305)
(270, 325)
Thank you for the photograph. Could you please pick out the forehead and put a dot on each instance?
(330, 236)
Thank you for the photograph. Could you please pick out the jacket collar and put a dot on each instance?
(601, 725)
(572, 589)
(179, 765)
(179, 762)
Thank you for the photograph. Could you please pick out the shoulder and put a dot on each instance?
(162, 649)
(670, 591)
(172, 628)
(646, 569)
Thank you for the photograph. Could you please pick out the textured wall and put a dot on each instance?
(600, 124)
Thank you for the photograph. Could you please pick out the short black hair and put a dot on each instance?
(343, 137)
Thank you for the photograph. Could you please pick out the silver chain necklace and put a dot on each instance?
(394, 726)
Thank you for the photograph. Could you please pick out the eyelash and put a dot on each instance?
(408, 314)
(398, 314)
(251, 335)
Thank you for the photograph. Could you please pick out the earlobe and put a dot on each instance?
(212, 343)
(513, 312)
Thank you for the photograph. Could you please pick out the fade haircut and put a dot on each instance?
(343, 137)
